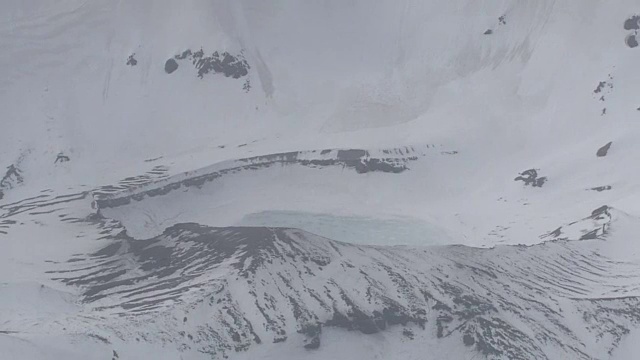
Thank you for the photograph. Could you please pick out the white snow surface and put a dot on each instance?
(458, 113)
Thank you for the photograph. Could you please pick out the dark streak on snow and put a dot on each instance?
(601, 188)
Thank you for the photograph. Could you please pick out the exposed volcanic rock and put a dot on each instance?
(292, 282)
(131, 60)
(393, 161)
(61, 157)
(11, 178)
(234, 66)
(632, 40)
(603, 151)
(591, 227)
(632, 23)
(530, 177)
(170, 66)
(601, 188)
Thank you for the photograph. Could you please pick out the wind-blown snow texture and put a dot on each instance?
(259, 179)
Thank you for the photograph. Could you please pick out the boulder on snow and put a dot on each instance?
(131, 60)
(170, 66)
(632, 23)
(631, 41)
(602, 152)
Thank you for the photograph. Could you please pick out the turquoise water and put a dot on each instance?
(353, 229)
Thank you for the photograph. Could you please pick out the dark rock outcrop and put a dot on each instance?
(530, 177)
(632, 23)
(632, 41)
(601, 188)
(602, 210)
(603, 151)
(131, 60)
(468, 340)
(395, 161)
(11, 178)
(170, 66)
(603, 85)
(234, 66)
(61, 157)
(291, 281)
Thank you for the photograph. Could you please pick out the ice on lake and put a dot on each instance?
(353, 229)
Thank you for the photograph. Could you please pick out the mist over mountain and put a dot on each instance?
(216, 179)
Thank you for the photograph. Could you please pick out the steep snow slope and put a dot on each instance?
(328, 75)
(135, 133)
(201, 292)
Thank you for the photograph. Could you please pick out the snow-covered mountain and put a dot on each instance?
(323, 179)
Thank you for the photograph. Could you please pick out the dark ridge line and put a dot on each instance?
(357, 159)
